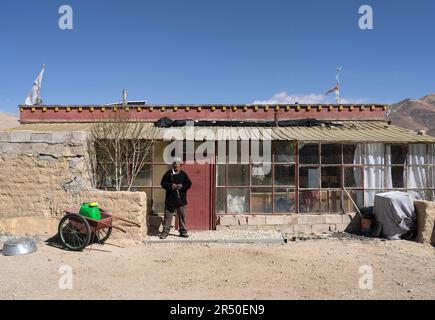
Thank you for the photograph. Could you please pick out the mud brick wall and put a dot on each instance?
(42, 174)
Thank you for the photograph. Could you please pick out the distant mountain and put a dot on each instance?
(8, 120)
(415, 114)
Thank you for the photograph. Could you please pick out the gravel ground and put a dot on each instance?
(222, 236)
(306, 268)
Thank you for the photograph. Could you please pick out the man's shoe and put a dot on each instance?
(184, 235)
(163, 236)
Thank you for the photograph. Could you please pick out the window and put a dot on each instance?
(284, 175)
(331, 154)
(309, 154)
(265, 187)
(331, 177)
(309, 177)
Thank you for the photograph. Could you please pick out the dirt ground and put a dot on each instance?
(312, 269)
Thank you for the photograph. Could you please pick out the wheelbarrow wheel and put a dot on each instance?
(74, 232)
(103, 234)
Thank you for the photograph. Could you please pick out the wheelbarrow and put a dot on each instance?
(77, 231)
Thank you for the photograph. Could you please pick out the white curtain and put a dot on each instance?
(378, 177)
(417, 175)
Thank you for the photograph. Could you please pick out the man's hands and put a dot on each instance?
(177, 186)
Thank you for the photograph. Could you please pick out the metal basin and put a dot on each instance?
(19, 247)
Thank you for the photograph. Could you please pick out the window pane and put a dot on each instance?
(238, 200)
(284, 151)
(331, 153)
(397, 177)
(357, 197)
(349, 154)
(158, 201)
(309, 154)
(374, 177)
(238, 174)
(331, 177)
(309, 202)
(220, 200)
(158, 173)
(285, 201)
(309, 178)
(220, 172)
(261, 200)
(353, 177)
(262, 175)
(284, 175)
(160, 147)
(143, 178)
(398, 153)
(238, 152)
(334, 201)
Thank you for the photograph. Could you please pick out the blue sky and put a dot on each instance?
(215, 51)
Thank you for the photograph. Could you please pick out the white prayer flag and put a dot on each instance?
(33, 96)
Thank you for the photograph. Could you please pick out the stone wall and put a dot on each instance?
(293, 224)
(425, 211)
(42, 174)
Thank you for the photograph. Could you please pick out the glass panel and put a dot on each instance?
(262, 175)
(334, 201)
(238, 174)
(285, 175)
(331, 153)
(309, 202)
(374, 177)
(285, 201)
(349, 154)
(143, 178)
(309, 178)
(159, 149)
(158, 201)
(369, 197)
(238, 200)
(158, 173)
(220, 172)
(331, 177)
(324, 206)
(238, 152)
(261, 200)
(284, 151)
(398, 153)
(309, 154)
(353, 177)
(397, 177)
(357, 197)
(220, 200)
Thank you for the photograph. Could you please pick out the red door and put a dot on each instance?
(199, 207)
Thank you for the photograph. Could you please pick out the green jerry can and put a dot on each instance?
(90, 210)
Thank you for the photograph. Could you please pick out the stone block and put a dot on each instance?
(320, 228)
(256, 220)
(425, 214)
(311, 219)
(302, 228)
(333, 218)
(228, 220)
(273, 220)
(40, 137)
(20, 136)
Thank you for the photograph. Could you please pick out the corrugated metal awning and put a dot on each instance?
(345, 131)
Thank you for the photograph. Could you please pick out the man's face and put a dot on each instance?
(177, 167)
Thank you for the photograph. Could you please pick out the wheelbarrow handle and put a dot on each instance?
(114, 216)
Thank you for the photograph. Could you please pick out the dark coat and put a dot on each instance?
(173, 198)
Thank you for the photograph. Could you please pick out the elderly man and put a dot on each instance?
(176, 183)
